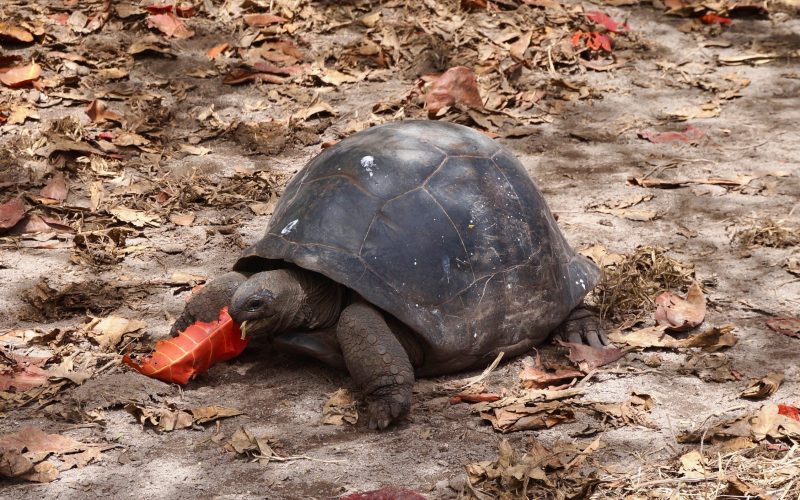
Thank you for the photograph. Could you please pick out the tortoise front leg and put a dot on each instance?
(378, 363)
(206, 303)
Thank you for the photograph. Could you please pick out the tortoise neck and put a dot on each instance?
(320, 300)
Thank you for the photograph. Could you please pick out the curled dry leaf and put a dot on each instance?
(540, 377)
(56, 189)
(468, 396)
(21, 373)
(170, 25)
(193, 351)
(679, 314)
(340, 408)
(18, 76)
(763, 387)
(135, 217)
(98, 112)
(169, 418)
(11, 212)
(457, 85)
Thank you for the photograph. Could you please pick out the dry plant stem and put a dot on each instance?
(474, 380)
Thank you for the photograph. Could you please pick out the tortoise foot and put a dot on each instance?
(584, 326)
(387, 405)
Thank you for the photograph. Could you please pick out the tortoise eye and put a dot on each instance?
(254, 305)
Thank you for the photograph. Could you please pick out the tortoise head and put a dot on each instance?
(267, 302)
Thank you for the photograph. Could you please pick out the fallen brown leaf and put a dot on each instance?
(588, 358)
(98, 112)
(18, 76)
(785, 326)
(690, 134)
(108, 332)
(11, 212)
(540, 377)
(170, 25)
(216, 50)
(521, 417)
(12, 32)
(763, 387)
(457, 85)
(258, 20)
(182, 219)
(340, 408)
(709, 340)
(679, 314)
(56, 188)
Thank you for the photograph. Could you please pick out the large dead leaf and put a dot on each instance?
(540, 377)
(13, 32)
(22, 454)
(680, 314)
(457, 85)
(20, 373)
(710, 340)
(56, 189)
(136, 217)
(588, 358)
(340, 408)
(11, 212)
(631, 412)
(108, 332)
(170, 25)
(170, 417)
(18, 76)
(785, 326)
(521, 417)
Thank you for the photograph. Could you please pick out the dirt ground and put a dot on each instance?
(581, 153)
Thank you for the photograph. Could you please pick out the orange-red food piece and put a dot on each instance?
(789, 411)
(193, 351)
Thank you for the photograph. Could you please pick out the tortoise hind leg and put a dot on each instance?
(583, 326)
(206, 303)
(377, 362)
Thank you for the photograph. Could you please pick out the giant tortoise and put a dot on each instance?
(409, 249)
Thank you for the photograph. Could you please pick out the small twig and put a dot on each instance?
(474, 380)
(278, 458)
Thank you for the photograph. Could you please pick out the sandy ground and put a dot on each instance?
(584, 156)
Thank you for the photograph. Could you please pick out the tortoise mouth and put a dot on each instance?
(257, 326)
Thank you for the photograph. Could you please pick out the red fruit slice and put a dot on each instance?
(193, 351)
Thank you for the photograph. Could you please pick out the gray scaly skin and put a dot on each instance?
(302, 311)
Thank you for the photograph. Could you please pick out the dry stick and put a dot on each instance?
(279, 458)
(474, 380)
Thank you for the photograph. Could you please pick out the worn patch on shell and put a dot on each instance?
(289, 227)
(368, 163)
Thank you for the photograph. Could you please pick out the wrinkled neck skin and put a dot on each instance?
(292, 299)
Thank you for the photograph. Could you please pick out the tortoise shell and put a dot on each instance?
(440, 227)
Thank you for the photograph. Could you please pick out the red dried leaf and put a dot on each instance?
(56, 189)
(170, 25)
(457, 85)
(98, 112)
(715, 19)
(691, 134)
(679, 314)
(593, 40)
(466, 397)
(789, 411)
(17, 76)
(22, 376)
(11, 212)
(258, 20)
(785, 326)
(216, 50)
(602, 19)
(193, 351)
(387, 493)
